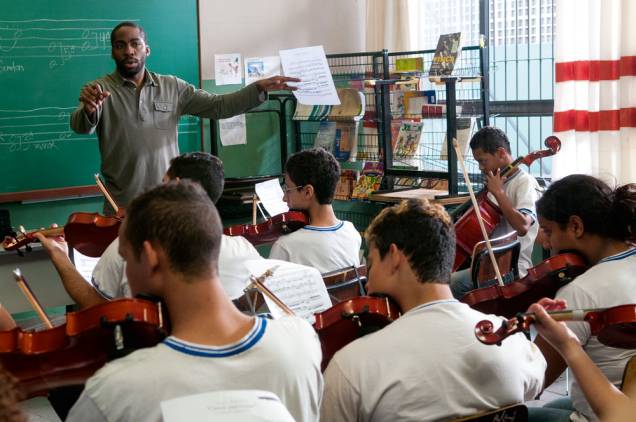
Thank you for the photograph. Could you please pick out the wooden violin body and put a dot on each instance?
(70, 353)
(467, 230)
(270, 230)
(353, 318)
(89, 233)
(542, 280)
(614, 327)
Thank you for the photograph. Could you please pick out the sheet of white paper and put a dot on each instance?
(232, 130)
(271, 196)
(227, 406)
(257, 68)
(299, 287)
(309, 64)
(227, 69)
(84, 264)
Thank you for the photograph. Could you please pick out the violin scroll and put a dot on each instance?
(553, 143)
(486, 333)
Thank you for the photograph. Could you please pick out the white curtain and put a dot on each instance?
(387, 25)
(595, 89)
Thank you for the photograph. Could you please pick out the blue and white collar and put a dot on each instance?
(619, 256)
(333, 228)
(246, 343)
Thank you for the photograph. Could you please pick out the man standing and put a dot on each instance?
(135, 113)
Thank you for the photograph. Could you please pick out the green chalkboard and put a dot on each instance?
(48, 50)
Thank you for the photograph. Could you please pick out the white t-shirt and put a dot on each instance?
(282, 356)
(523, 191)
(428, 365)
(611, 282)
(324, 248)
(109, 275)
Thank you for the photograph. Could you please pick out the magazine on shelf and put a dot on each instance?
(446, 55)
(408, 139)
(352, 107)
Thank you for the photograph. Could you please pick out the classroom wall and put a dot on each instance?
(256, 28)
(261, 28)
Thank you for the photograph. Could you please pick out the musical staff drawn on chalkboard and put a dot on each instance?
(44, 128)
(55, 41)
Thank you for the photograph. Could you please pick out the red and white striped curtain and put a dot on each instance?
(595, 90)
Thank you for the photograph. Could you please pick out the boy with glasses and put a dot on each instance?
(326, 243)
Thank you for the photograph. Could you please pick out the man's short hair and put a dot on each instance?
(425, 234)
(201, 167)
(489, 139)
(142, 33)
(180, 218)
(315, 167)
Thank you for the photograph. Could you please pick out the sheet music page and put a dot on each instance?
(227, 406)
(84, 264)
(309, 64)
(299, 287)
(271, 196)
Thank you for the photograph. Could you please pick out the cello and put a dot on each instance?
(467, 231)
(614, 327)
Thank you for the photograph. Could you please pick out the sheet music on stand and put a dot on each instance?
(298, 286)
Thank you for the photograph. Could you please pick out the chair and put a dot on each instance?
(506, 249)
(512, 413)
(629, 376)
(346, 283)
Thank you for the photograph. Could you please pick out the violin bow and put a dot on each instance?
(28, 293)
(473, 199)
(106, 194)
(258, 284)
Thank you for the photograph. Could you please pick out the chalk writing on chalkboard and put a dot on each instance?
(54, 41)
(45, 127)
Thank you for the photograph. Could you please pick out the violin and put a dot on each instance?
(467, 231)
(542, 280)
(614, 327)
(70, 353)
(270, 230)
(89, 233)
(350, 319)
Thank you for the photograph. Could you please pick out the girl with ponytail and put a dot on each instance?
(584, 214)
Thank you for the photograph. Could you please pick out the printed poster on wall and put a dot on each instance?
(227, 69)
(257, 68)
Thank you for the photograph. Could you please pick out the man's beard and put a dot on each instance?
(129, 72)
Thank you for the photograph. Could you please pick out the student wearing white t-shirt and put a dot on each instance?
(171, 252)
(515, 195)
(584, 214)
(427, 364)
(109, 278)
(326, 243)
(608, 402)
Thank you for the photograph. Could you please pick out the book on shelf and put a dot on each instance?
(345, 146)
(446, 55)
(415, 100)
(409, 65)
(465, 128)
(346, 182)
(408, 139)
(340, 138)
(369, 180)
(352, 107)
(326, 135)
(438, 110)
